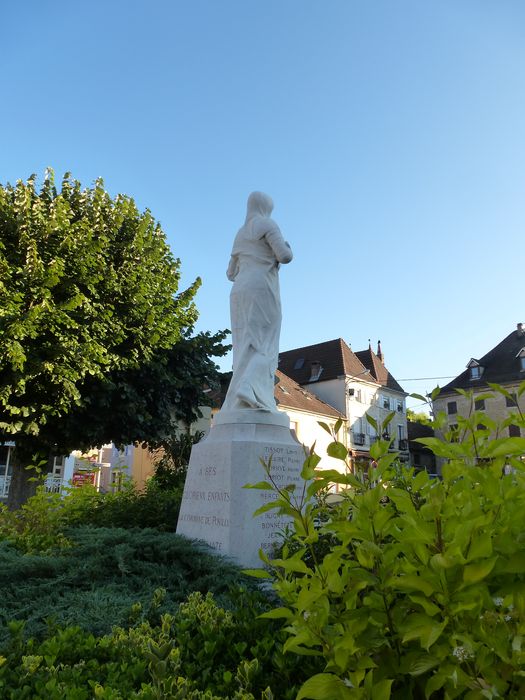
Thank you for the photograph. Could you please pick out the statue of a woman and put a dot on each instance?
(255, 307)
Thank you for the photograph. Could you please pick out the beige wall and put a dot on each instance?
(309, 432)
(142, 465)
(495, 406)
(143, 460)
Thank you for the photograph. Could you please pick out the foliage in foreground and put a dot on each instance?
(421, 593)
(201, 652)
(408, 588)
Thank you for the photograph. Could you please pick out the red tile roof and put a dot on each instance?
(378, 370)
(336, 359)
(290, 395)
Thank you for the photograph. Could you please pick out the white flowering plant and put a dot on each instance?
(421, 593)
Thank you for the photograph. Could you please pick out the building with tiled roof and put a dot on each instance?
(503, 365)
(305, 411)
(356, 384)
(291, 396)
(375, 364)
(320, 362)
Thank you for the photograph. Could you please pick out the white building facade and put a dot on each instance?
(357, 385)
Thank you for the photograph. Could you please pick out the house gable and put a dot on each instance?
(332, 360)
(320, 362)
(501, 365)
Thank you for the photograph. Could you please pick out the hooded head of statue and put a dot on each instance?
(259, 204)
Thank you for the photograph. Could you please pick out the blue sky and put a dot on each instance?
(391, 136)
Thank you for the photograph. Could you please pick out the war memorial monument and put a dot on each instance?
(216, 508)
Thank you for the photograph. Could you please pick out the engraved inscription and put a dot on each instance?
(213, 520)
(218, 496)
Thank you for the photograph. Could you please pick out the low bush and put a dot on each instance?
(200, 651)
(95, 583)
(421, 593)
(139, 662)
(40, 525)
(153, 507)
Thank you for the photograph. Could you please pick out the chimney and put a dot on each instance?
(379, 352)
(521, 330)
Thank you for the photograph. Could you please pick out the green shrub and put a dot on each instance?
(95, 583)
(140, 662)
(213, 640)
(200, 651)
(41, 523)
(422, 592)
(152, 507)
(38, 526)
(171, 463)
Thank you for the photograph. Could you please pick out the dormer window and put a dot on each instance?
(521, 358)
(475, 370)
(315, 371)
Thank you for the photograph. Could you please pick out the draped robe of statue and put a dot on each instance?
(255, 307)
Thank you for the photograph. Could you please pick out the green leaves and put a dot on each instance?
(323, 686)
(472, 573)
(422, 628)
(408, 585)
(95, 332)
(503, 447)
(261, 485)
(309, 466)
(337, 450)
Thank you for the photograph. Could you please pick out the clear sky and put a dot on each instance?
(390, 134)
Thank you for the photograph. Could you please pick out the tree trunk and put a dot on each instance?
(24, 481)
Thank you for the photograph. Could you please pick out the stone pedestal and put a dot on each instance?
(215, 506)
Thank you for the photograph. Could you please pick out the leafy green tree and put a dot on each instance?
(96, 337)
(171, 463)
(418, 417)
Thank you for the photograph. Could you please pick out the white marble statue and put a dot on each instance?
(255, 307)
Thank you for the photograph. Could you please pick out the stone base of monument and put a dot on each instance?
(216, 508)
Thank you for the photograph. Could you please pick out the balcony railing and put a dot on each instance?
(52, 484)
(358, 438)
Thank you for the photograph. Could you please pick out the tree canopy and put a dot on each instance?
(96, 336)
(418, 417)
